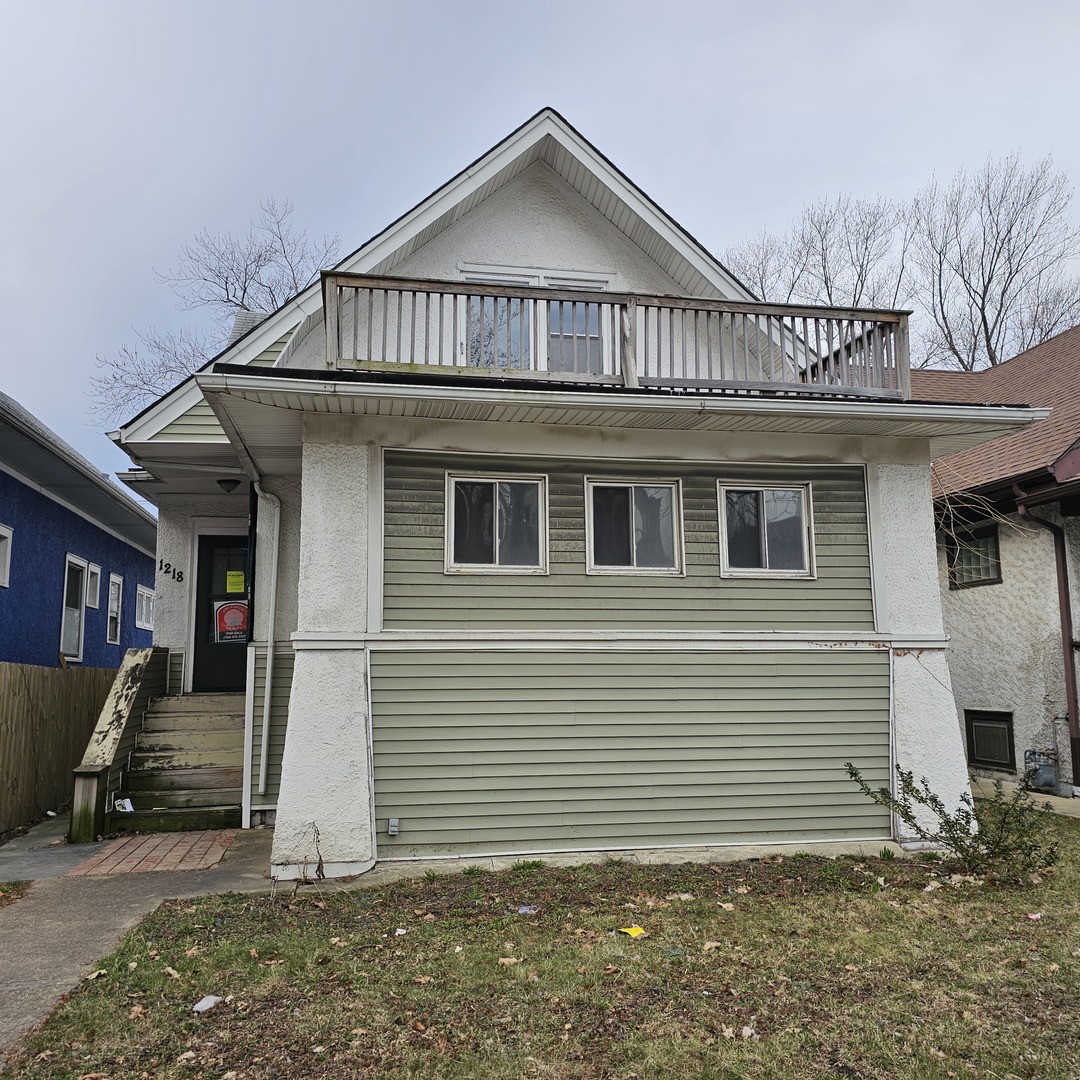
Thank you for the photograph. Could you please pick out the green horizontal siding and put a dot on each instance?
(418, 594)
(501, 751)
(279, 715)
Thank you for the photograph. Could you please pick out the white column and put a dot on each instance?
(926, 732)
(324, 814)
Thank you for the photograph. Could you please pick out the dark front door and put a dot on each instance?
(221, 614)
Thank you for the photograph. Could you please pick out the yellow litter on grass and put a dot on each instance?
(633, 931)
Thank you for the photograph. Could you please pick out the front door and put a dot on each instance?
(221, 614)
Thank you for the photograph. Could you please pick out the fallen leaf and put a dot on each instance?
(187, 1055)
(419, 1025)
(132, 965)
(633, 931)
(749, 1033)
(742, 888)
(611, 969)
(137, 1012)
(850, 967)
(727, 907)
(710, 945)
(679, 896)
(96, 974)
(254, 953)
(172, 972)
(1055, 967)
(400, 932)
(506, 961)
(422, 979)
(1036, 917)
(727, 1032)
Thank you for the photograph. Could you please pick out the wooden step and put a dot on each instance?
(208, 703)
(169, 799)
(177, 820)
(183, 739)
(194, 721)
(185, 779)
(167, 760)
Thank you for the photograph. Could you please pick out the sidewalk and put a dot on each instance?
(85, 897)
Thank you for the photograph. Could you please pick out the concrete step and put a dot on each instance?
(177, 820)
(209, 779)
(194, 721)
(186, 740)
(209, 703)
(150, 760)
(182, 799)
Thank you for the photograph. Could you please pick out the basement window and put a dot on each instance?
(990, 739)
(496, 524)
(974, 558)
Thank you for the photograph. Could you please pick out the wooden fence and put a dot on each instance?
(47, 716)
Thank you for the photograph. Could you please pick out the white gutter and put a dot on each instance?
(271, 629)
(249, 387)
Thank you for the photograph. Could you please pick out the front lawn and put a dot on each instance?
(792, 967)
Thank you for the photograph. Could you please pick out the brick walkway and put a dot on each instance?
(158, 851)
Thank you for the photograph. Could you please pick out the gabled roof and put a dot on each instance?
(545, 137)
(1047, 375)
(33, 453)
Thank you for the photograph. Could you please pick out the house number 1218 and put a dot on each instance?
(170, 570)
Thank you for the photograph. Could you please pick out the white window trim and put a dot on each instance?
(451, 567)
(7, 540)
(144, 600)
(726, 571)
(119, 610)
(591, 567)
(73, 560)
(93, 595)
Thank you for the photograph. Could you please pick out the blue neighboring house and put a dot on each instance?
(76, 553)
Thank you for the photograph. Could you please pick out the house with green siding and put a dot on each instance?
(528, 529)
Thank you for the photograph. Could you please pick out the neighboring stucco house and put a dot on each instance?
(549, 537)
(76, 553)
(1008, 562)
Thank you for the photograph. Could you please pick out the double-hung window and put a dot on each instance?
(765, 531)
(633, 527)
(73, 618)
(144, 608)
(116, 591)
(496, 524)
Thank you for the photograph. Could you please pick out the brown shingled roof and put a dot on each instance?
(1045, 376)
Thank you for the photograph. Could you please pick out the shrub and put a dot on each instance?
(1003, 836)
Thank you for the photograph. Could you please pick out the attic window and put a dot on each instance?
(974, 558)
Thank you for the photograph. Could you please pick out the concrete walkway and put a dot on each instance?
(51, 938)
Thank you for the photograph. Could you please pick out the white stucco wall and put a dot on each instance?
(325, 804)
(1006, 639)
(538, 220)
(926, 739)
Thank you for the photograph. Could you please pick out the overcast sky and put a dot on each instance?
(126, 126)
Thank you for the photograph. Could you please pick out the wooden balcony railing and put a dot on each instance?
(682, 344)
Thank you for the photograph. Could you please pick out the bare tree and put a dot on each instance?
(227, 274)
(993, 253)
(844, 252)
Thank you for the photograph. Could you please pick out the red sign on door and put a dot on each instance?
(230, 621)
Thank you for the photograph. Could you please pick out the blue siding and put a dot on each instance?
(31, 608)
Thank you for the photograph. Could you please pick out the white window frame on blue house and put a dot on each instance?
(93, 585)
(144, 608)
(112, 632)
(7, 534)
(73, 562)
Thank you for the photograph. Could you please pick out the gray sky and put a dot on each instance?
(126, 126)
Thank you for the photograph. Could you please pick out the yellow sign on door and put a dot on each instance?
(234, 581)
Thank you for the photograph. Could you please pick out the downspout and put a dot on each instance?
(271, 631)
(1065, 609)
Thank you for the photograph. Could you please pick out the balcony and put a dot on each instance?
(674, 344)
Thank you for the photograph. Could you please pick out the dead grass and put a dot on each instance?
(10, 891)
(792, 968)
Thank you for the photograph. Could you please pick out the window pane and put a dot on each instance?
(611, 526)
(71, 629)
(975, 560)
(654, 527)
(991, 741)
(784, 529)
(474, 536)
(519, 525)
(574, 344)
(743, 530)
